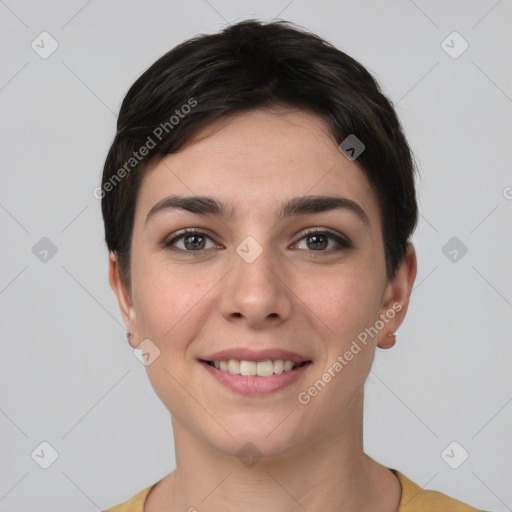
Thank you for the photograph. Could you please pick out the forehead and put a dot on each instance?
(254, 160)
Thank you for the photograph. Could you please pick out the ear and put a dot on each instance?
(396, 298)
(124, 298)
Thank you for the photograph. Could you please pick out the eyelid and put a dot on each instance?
(174, 237)
(343, 241)
(340, 237)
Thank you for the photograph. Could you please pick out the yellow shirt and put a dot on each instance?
(414, 499)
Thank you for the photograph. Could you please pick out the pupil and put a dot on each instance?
(193, 245)
(315, 239)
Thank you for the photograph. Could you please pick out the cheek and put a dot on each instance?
(170, 305)
(168, 301)
(342, 306)
(344, 301)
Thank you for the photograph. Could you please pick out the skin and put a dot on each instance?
(294, 296)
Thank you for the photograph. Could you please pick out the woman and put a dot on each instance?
(258, 202)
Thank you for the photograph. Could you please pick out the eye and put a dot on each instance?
(317, 240)
(191, 240)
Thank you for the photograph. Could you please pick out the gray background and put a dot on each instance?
(67, 375)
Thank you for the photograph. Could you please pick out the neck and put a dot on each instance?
(333, 473)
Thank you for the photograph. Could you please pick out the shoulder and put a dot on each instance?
(416, 499)
(135, 504)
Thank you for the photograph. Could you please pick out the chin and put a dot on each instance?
(262, 436)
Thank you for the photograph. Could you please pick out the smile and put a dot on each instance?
(254, 368)
(255, 377)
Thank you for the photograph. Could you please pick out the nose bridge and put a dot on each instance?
(255, 287)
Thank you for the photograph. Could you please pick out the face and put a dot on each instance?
(265, 277)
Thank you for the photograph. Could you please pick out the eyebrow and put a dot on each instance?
(204, 205)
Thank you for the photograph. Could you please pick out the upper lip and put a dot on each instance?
(248, 354)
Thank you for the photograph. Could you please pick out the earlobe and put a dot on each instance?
(388, 341)
(398, 292)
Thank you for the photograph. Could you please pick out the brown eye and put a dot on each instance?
(318, 241)
(190, 241)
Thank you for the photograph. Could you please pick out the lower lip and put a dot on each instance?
(254, 385)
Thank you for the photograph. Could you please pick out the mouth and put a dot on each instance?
(256, 377)
(263, 369)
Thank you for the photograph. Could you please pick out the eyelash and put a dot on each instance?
(342, 242)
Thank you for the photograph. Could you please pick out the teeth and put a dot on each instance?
(251, 368)
(265, 368)
(288, 365)
(248, 367)
(233, 366)
(278, 366)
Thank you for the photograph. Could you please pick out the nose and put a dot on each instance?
(257, 292)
